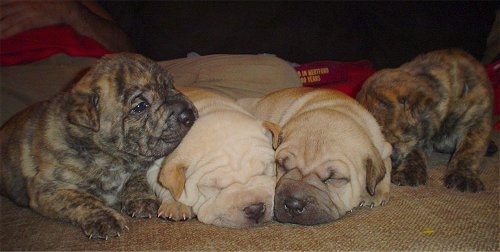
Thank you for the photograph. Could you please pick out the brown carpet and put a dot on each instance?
(428, 217)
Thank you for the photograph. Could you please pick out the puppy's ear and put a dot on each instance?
(173, 177)
(375, 172)
(84, 112)
(83, 104)
(275, 131)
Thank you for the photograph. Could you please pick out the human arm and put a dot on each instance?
(86, 17)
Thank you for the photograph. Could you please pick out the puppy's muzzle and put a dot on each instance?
(181, 113)
(255, 211)
(297, 201)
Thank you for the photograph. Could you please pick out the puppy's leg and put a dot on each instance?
(65, 202)
(138, 200)
(174, 210)
(463, 168)
(170, 208)
(412, 171)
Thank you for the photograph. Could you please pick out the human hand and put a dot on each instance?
(21, 15)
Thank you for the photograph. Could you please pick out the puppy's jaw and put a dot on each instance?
(242, 219)
(251, 205)
(302, 203)
(306, 207)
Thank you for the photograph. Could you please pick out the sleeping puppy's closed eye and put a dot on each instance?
(331, 156)
(223, 171)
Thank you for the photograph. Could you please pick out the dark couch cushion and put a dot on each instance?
(387, 33)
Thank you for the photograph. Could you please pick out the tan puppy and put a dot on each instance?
(331, 155)
(439, 101)
(223, 171)
(83, 155)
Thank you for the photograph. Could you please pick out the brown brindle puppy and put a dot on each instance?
(439, 101)
(83, 154)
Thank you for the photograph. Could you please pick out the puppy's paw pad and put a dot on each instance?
(464, 183)
(104, 224)
(140, 208)
(175, 211)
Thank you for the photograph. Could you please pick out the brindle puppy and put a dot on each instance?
(84, 153)
(439, 101)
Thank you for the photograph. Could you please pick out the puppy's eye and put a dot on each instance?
(335, 181)
(139, 108)
(383, 101)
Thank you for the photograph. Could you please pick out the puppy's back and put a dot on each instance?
(207, 101)
(17, 164)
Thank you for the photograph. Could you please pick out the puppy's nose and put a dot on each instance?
(294, 205)
(255, 211)
(187, 117)
(181, 112)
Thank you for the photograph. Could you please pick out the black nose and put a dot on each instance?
(255, 211)
(294, 205)
(187, 117)
(181, 112)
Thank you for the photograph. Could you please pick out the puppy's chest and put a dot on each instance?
(108, 187)
(105, 180)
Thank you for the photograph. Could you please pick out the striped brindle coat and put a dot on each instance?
(439, 101)
(83, 155)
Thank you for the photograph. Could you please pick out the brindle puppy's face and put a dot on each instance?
(130, 104)
(401, 104)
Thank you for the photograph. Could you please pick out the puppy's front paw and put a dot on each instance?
(412, 171)
(102, 224)
(175, 211)
(409, 177)
(140, 208)
(464, 182)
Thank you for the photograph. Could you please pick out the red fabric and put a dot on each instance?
(493, 71)
(40, 43)
(347, 77)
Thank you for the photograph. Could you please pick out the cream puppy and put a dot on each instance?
(331, 154)
(223, 171)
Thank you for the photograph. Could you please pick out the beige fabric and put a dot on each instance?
(234, 75)
(23, 85)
